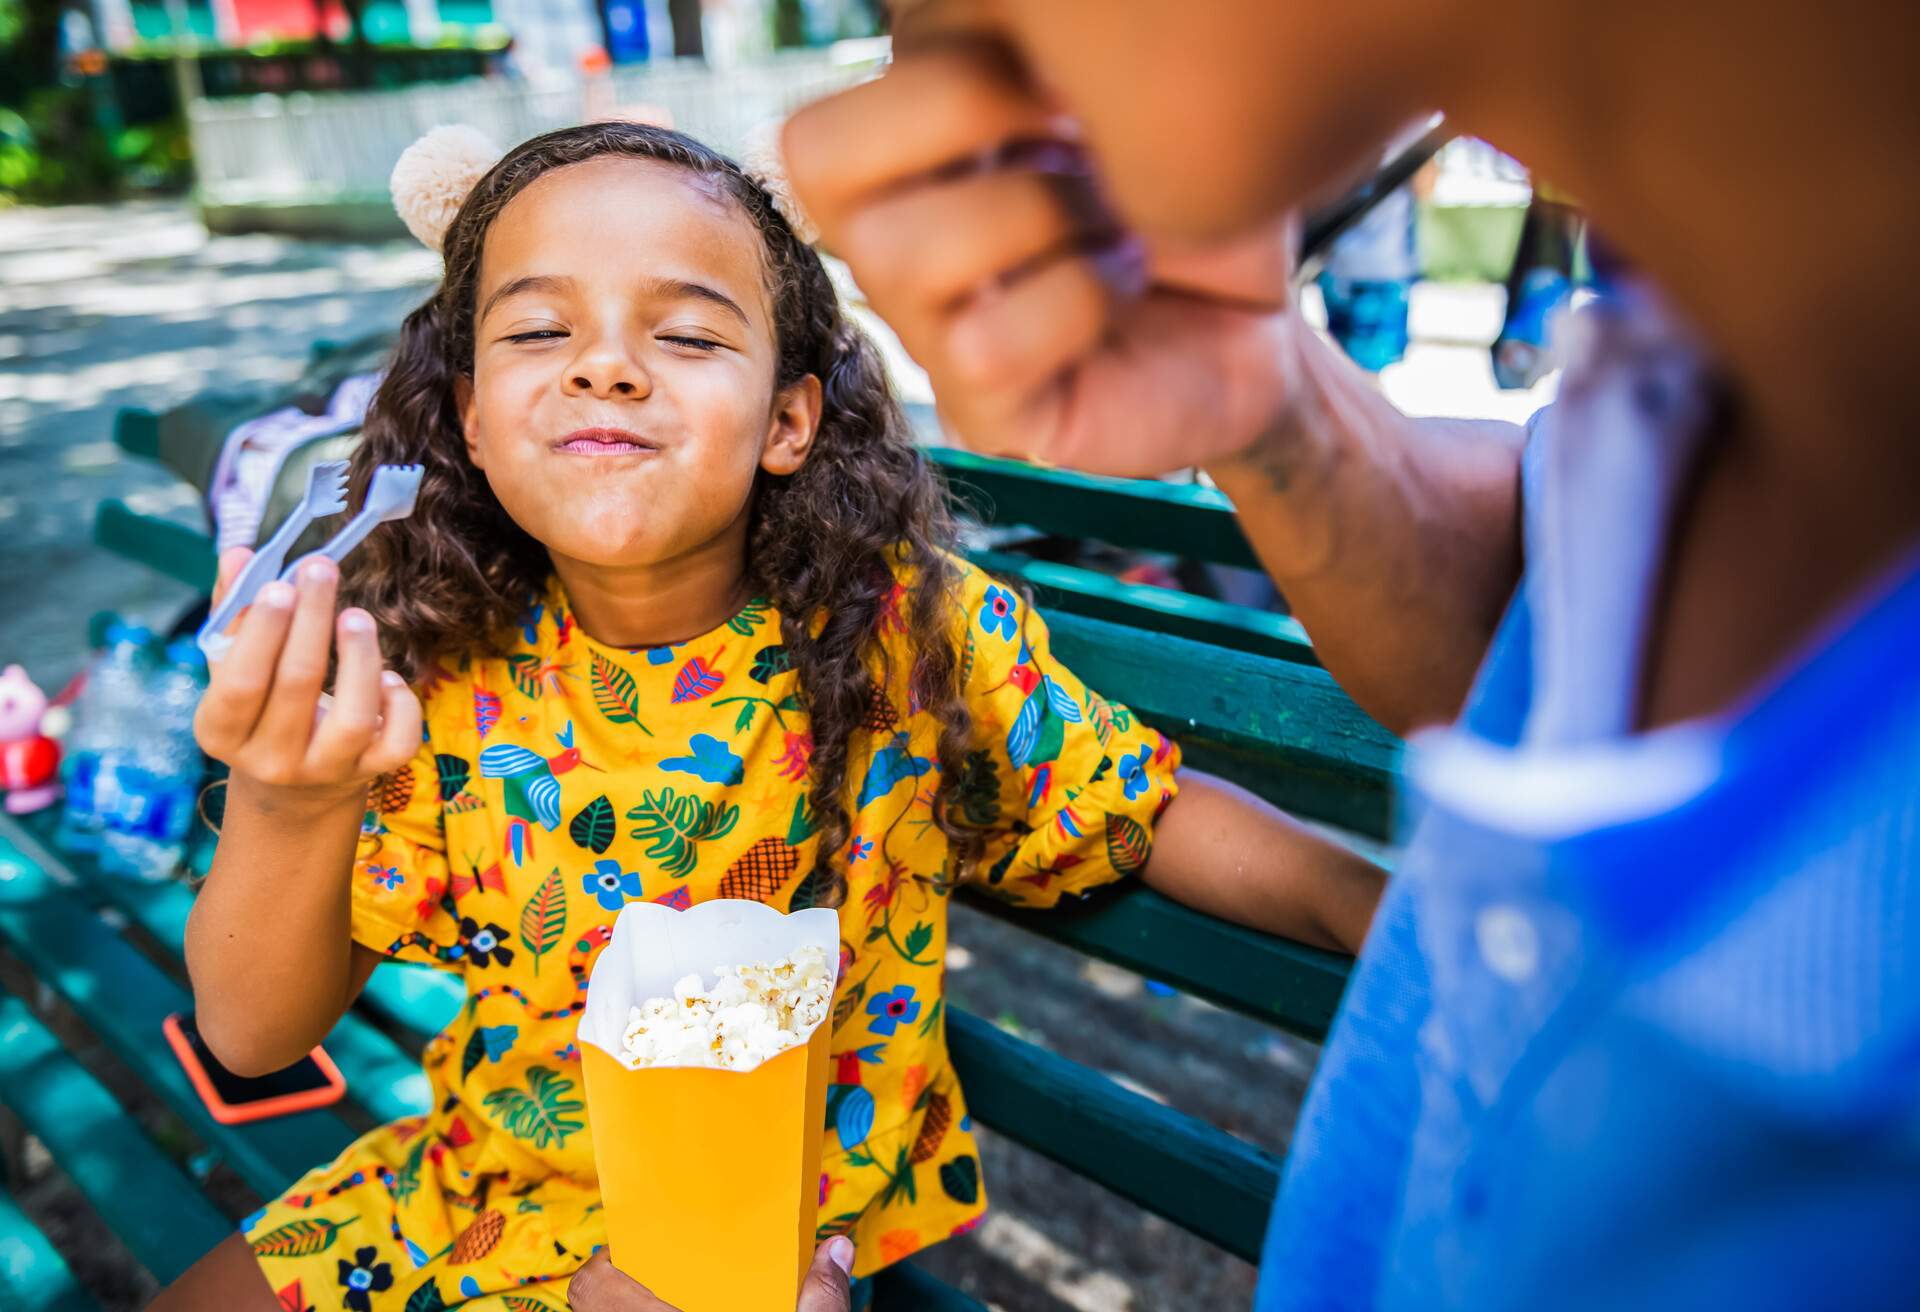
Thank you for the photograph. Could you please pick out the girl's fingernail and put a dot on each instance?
(356, 621)
(277, 595)
(840, 1253)
(317, 570)
(391, 680)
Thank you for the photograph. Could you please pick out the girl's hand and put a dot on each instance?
(263, 714)
(600, 1287)
(1045, 331)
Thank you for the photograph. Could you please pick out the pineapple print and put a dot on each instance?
(478, 1239)
(392, 792)
(881, 716)
(933, 1131)
(762, 870)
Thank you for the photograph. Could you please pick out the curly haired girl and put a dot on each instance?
(677, 617)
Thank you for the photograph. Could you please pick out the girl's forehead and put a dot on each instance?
(614, 220)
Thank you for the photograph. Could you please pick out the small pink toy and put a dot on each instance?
(29, 760)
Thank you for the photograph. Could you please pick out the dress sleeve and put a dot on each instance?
(400, 902)
(1064, 784)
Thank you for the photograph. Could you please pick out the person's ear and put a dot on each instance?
(463, 401)
(792, 427)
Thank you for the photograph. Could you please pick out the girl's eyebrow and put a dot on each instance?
(666, 289)
(538, 282)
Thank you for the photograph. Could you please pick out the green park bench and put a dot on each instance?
(1239, 688)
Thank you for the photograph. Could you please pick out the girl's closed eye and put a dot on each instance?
(693, 342)
(537, 335)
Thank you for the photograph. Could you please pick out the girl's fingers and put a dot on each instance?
(238, 686)
(399, 736)
(232, 561)
(286, 725)
(1010, 341)
(346, 730)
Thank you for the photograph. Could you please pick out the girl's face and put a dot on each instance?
(623, 399)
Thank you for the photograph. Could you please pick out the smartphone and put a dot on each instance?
(313, 1081)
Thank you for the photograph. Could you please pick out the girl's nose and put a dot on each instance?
(603, 370)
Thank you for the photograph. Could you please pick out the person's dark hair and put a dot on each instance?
(823, 544)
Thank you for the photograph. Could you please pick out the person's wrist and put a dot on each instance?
(1275, 442)
(294, 803)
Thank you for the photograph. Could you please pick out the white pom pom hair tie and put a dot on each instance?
(433, 176)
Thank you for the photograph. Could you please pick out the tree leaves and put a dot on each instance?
(301, 1238)
(616, 694)
(593, 827)
(543, 920)
(769, 663)
(542, 1114)
(674, 827)
(454, 772)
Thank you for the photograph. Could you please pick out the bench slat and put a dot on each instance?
(173, 549)
(158, 1213)
(904, 1287)
(1088, 592)
(32, 1272)
(1199, 1177)
(1274, 980)
(123, 997)
(1183, 519)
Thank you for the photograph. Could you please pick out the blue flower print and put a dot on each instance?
(530, 622)
(892, 1009)
(862, 849)
(612, 885)
(708, 759)
(1133, 772)
(387, 877)
(364, 1276)
(996, 614)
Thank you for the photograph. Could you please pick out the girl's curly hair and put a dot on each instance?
(824, 544)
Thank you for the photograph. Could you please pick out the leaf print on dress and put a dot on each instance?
(696, 679)
(487, 1043)
(543, 920)
(301, 1238)
(769, 663)
(542, 1113)
(593, 827)
(616, 694)
(427, 1299)
(751, 616)
(708, 759)
(674, 827)
(1129, 844)
(891, 764)
(454, 771)
(961, 1180)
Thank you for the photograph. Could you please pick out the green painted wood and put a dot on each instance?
(1281, 728)
(383, 1077)
(137, 432)
(1199, 1177)
(122, 997)
(904, 1287)
(32, 1272)
(158, 1213)
(1078, 591)
(1182, 518)
(1275, 980)
(173, 549)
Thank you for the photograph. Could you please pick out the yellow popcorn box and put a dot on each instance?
(710, 1178)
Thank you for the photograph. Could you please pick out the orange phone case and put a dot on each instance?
(227, 1113)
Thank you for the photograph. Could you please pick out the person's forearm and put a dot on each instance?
(1395, 541)
(1221, 850)
(268, 944)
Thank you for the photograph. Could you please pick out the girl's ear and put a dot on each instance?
(790, 431)
(469, 427)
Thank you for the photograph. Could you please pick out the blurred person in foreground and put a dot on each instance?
(1638, 1024)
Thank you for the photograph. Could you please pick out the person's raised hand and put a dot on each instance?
(262, 710)
(600, 1287)
(970, 219)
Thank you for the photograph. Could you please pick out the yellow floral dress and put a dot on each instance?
(566, 779)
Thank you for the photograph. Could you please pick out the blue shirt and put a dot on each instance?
(1638, 1024)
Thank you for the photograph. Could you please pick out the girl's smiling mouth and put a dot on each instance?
(604, 442)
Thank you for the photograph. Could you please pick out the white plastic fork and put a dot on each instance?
(389, 496)
(326, 495)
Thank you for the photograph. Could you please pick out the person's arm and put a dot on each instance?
(268, 944)
(1221, 850)
(1395, 541)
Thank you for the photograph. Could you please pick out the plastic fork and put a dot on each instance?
(326, 495)
(389, 496)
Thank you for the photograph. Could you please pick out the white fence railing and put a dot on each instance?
(334, 145)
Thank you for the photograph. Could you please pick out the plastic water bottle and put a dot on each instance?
(147, 810)
(106, 716)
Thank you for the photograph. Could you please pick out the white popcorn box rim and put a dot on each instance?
(655, 946)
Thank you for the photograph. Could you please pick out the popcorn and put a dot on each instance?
(750, 1014)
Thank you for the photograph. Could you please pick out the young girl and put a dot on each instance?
(679, 602)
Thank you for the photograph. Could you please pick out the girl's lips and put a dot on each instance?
(604, 442)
